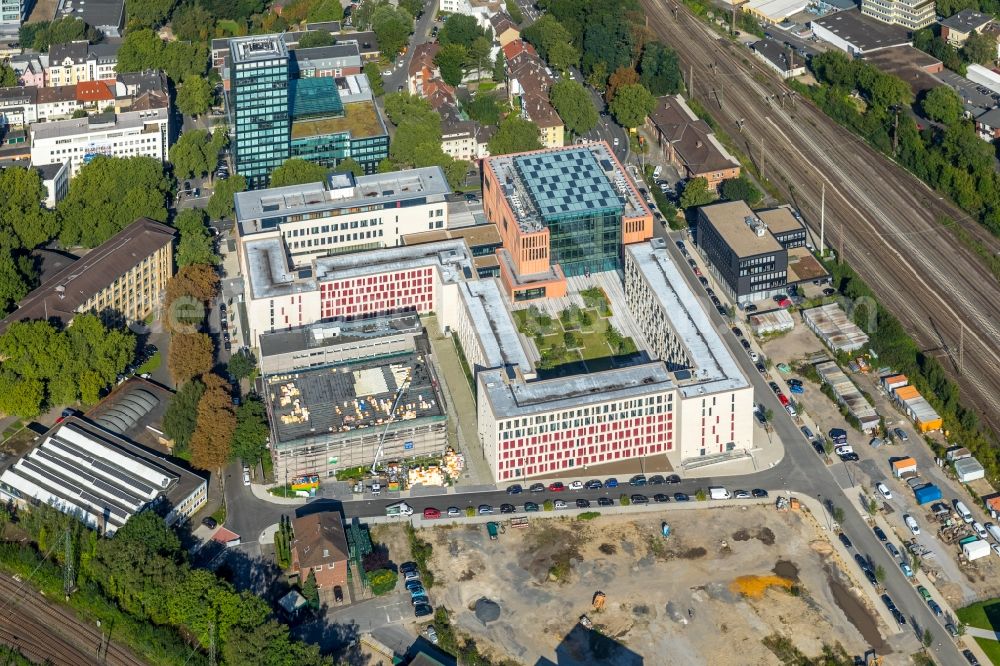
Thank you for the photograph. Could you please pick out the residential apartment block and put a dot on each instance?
(79, 140)
(320, 548)
(79, 61)
(528, 84)
(688, 142)
(561, 212)
(122, 279)
(12, 14)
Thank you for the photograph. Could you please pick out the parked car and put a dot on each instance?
(911, 523)
(515, 489)
(507, 508)
(209, 522)
(537, 488)
(485, 509)
(338, 594)
(681, 497)
(889, 546)
(639, 499)
(530, 506)
(594, 484)
(883, 490)
(845, 540)
(557, 487)
(900, 434)
(561, 504)
(660, 497)
(656, 480)
(454, 511)
(673, 478)
(605, 501)
(759, 493)
(412, 585)
(637, 480)
(741, 494)
(905, 568)
(583, 503)
(431, 512)
(422, 610)
(880, 534)
(611, 483)
(576, 485)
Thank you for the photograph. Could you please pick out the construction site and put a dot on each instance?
(658, 589)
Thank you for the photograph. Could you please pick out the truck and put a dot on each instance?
(399, 509)
(926, 493)
(974, 550)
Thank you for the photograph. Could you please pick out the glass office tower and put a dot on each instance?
(261, 118)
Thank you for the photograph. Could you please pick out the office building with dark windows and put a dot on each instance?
(286, 104)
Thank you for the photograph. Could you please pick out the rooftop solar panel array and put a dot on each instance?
(566, 181)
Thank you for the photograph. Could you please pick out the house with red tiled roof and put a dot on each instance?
(504, 30)
(422, 68)
(516, 48)
(689, 143)
(528, 85)
(95, 93)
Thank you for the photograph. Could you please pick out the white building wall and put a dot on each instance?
(715, 423)
(832, 38)
(114, 141)
(301, 310)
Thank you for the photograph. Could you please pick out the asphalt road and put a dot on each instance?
(421, 30)
(879, 216)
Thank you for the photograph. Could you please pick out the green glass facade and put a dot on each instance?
(589, 242)
(330, 149)
(261, 114)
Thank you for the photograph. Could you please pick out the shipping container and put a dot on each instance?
(894, 381)
(957, 453)
(904, 393)
(902, 466)
(927, 493)
(968, 469)
(975, 550)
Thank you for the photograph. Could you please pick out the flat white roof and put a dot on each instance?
(715, 368)
(494, 325)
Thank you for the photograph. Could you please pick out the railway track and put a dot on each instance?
(45, 632)
(879, 216)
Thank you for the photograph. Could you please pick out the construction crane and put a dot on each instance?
(392, 417)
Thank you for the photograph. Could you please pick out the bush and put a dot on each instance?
(548, 505)
(588, 515)
(624, 500)
(700, 495)
(470, 512)
(421, 552)
(377, 559)
(382, 581)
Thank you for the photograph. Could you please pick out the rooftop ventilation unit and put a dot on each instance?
(756, 225)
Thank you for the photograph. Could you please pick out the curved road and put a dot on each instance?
(880, 216)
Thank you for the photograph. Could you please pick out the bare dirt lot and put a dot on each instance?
(707, 594)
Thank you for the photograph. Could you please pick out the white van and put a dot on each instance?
(719, 493)
(979, 530)
(657, 171)
(963, 511)
(911, 523)
(994, 531)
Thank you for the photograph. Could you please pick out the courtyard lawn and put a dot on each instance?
(985, 615)
(990, 647)
(577, 340)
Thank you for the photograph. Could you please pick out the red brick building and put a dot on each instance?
(320, 546)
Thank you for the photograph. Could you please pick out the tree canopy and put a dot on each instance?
(349, 165)
(251, 432)
(8, 77)
(552, 41)
(39, 36)
(297, 171)
(697, 193)
(44, 366)
(980, 48)
(195, 245)
(211, 442)
(194, 154)
(484, 107)
(942, 104)
(195, 96)
(181, 414)
(621, 77)
(659, 70)
(143, 49)
(515, 135)
(392, 27)
(190, 355)
(514, 11)
(221, 205)
(417, 141)
(741, 189)
(451, 59)
(631, 105)
(315, 38)
(460, 29)
(573, 104)
(148, 13)
(108, 194)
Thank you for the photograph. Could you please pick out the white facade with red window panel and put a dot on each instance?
(715, 399)
(420, 278)
(560, 425)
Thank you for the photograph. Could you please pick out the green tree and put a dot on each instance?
(392, 27)
(741, 189)
(8, 77)
(484, 107)
(190, 355)
(414, 7)
(250, 434)
(79, 113)
(980, 48)
(451, 59)
(500, 67)
(108, 194)
(417, 141)
(631, 105)
(598, 79)
(573, 104)
(16, 277)
(928, 638)
(220, 206)
(195, 245)
(193, 154)
(143, 49)
(659, 70)
(315, 38)
(24, 222)
(349, 165)
(310, 590)
(515, 135)
(326, 10)
(195, 96)
(148, 13)
(942, 104)
(460, 29)
(479, 55)
(297, 171)
(621, 77)
(242, 366)
(39, 36)
(375, 80)
(697, 193)
(192, 23)
(514, 11)
(181, 415)
(546, 32)
(563, 55)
